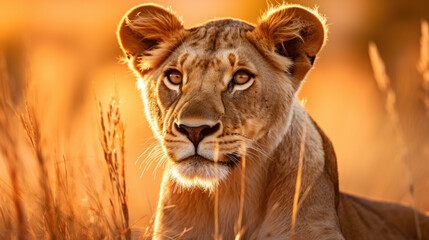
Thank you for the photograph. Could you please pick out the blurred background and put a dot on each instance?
(60, 55)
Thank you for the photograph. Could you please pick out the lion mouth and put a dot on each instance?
(229, 160)
(198, 171)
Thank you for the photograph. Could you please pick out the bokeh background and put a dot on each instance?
(65, 54)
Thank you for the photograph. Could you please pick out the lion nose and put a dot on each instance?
(197, 134)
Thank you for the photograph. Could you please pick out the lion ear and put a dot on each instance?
(294, 32)
(146, 26)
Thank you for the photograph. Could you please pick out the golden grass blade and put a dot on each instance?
(7, 148)
(216, 197)
(424, 47)
(240, 231)
(383, 82)
(379, 68)
(112, 131)
(423, 66)
(298, 179)
(51, 217)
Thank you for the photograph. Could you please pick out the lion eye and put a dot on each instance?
(174, 76)
(241, 77)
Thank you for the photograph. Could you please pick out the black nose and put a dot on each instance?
(197, 134)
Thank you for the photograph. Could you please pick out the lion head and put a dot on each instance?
(222, 90)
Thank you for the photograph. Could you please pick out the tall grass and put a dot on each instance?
(384, 84)
(64, 202)
(10, 156)
(385, 87)
(113, 143)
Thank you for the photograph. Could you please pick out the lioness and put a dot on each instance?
(222, 95)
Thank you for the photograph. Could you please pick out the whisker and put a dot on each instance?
(153, 150)
(161, 163)
(145, 151)
(152, 159)
(250, 157)
(154, 155)
(258, 150)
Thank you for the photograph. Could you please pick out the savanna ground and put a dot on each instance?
(71, 168)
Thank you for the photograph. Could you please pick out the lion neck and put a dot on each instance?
(267, 180)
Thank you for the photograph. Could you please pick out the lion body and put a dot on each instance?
(218, 131)
(268, 197)
(365, 219)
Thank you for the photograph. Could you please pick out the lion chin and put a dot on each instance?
(197, 171)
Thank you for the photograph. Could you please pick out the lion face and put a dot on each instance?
(215, 97)
(219, 92)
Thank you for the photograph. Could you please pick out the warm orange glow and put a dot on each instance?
(64, 53)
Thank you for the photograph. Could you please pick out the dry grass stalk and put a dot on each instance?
(58, 202)
(148, 231)
(383, 82)
(54, 223)
(65, 213)
(298, 180)
(216, 196)
(7, 142)
(51, 224)
(32, 130)
(423, 66)
(239, 230)
(113, 144)
(217, 236)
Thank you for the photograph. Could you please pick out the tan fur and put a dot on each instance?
(259, 122)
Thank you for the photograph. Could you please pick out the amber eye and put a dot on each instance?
(174, 76)
(242, 77)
